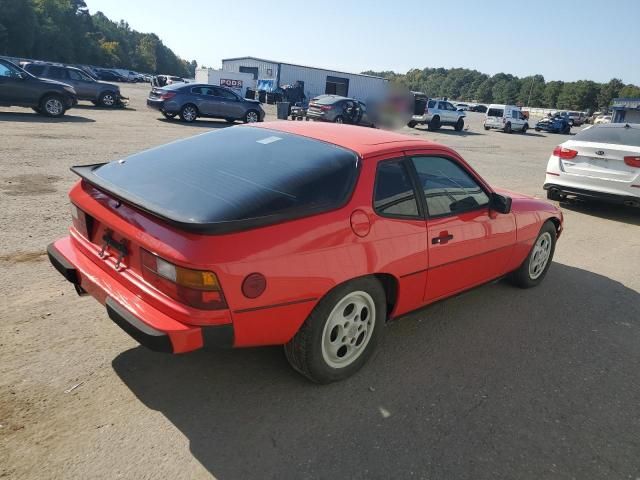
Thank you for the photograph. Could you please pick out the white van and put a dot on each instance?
(507, 118)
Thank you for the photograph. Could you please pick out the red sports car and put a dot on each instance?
(307, 235)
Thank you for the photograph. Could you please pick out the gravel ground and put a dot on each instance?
(495, 383)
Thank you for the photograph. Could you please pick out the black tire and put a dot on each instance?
(52, 106)
(305, 350)
(507, 128)
(338, 119)
(412, 124)
(537, 129)
(229, 120)
(189, 113)
(522, 277)
(524, 129)
(169, 116)
(252, 116)
(487, 128)
(108, 99)
(36, 109)
(567, 130)
(459, 125)
(434, 124)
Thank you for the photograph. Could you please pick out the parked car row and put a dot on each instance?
(47, 97)
(86, 87)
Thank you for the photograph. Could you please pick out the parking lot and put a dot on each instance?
(495, 383)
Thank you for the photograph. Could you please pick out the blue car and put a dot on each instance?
(555, 124)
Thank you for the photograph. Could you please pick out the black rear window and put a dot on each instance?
(614, 133)
(495, 112)
(232, 179)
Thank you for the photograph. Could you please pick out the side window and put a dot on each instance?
(58, 73)
(448, 188)
(76, 75)
(394, 195)
(7, 71)
(451, 107)
(226, 94)
(34, 69)
(431, 104)
(196, 90)
(442, 105)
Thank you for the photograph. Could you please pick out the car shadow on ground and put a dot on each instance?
(618, 213)
(27, 117)
(445, 131)
(125, 108)
(200, 122)
(487, 384)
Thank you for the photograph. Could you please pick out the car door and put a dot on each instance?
(517, 120)
(14, 89)
(452, 112)
(443, 113)
(468, 243)
(397, 229)
(85, 88)
(230, 103)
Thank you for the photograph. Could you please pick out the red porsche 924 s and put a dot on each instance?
(307, 235)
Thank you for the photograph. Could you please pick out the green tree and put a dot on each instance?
(630, 91)
(551, 93)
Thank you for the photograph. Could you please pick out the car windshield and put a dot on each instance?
(495, 112)
(231, 175)
(615, 133)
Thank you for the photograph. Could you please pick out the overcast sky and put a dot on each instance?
(562, 39)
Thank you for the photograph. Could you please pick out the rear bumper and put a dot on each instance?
(603, 196)
(145, 323)
(155, 104)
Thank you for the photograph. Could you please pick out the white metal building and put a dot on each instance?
(317, 81)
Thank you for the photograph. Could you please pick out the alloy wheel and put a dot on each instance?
(540, 255)
(348, 329)
(54, 106)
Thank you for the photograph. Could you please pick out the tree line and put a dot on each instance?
(533, 91)
(65, 31)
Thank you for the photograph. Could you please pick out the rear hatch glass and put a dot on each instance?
(495, 112)
(231, 179)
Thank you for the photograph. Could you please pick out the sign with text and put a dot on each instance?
(232, 84)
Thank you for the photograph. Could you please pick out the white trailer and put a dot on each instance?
(237, 81)
(316, 81)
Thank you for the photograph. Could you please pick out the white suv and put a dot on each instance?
(507, 118)
(602, 162)
(437, 113)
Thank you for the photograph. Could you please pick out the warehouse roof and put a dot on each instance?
(303, 66)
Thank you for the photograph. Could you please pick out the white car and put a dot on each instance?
(507, 118)
(600, 119)
(601, 162)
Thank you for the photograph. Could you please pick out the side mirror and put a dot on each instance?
(500, 203)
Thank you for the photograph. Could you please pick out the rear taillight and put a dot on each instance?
(196, 288)
(326, 108)
(167, 95)
(632, 161)
(565, 153)
(81, 222)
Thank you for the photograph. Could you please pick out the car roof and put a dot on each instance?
(362, 140)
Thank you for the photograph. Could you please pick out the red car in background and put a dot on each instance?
(307, 235)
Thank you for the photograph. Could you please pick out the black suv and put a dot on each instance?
(20, 88)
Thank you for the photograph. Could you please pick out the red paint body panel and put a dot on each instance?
(304, 259)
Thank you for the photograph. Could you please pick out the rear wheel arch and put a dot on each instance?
(390, 284)
(556, 224)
